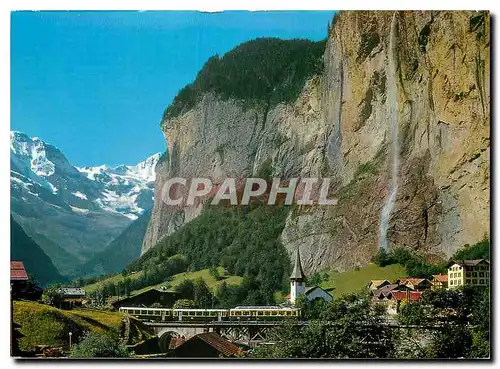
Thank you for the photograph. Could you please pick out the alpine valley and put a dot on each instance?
(393, 107)
(73, 213)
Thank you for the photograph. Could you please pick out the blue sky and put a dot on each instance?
(95, 84)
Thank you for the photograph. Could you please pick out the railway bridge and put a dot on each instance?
(248, 332)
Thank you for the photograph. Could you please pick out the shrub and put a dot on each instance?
(99, 345)
(52, 295)
(383, 258)
(214, 272)
(185, 304)
(480, 250)
(415, 265)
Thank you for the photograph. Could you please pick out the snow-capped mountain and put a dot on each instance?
(71, 212)
(38, 167)
(127, 189)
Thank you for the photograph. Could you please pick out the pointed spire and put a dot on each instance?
(297, 273)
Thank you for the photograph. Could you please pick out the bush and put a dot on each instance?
(416, 266)
(214, 272)
(480, 250)
(383, 258)
(185, 304)
(185, 289)
(314, 280)
(342, 328)
(99, 345)
(53, 295)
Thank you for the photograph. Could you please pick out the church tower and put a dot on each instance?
(297, 279)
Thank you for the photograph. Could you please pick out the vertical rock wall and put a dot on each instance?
(339, 128)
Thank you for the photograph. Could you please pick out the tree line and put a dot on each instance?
(419, 266)
(443, 324)
(266, 70)
(243, 240)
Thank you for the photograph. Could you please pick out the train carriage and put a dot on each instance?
(152, 314)
(199, 314)
(263, 312)
(194, 315)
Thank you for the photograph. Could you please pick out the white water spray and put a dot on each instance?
(393, 118)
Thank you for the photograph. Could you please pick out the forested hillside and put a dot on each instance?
(267, 70)
(37, 263)
(245, 241)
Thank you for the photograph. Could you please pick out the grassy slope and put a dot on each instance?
(92, 287)
(343, 283)
(355, 280)
(45, 325)
(204, 273)
(175, 280)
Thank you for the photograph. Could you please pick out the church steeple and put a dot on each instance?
(297, 279)
(297, 273)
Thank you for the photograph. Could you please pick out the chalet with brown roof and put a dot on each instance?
(416, 284)
(207, 345)
(393, 295)
(17, 272)
(378, 283)
(439, 281)
(385, 291)
(72, 297)
(406, 295)
(147, 298)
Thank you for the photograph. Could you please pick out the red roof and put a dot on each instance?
(17, 271)
(441, 277)
(403, 295)
(220, 344)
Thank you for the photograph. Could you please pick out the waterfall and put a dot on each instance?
(393, 119)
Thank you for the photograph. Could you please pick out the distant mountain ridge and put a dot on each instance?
(74, 213)
(121, 251)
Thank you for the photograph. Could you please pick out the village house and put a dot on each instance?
(375, 284)
(439, 281)
(207, 345)
(20, 284)
(18, 277)
(415, 284)
(72, 297)
(469, 272)
(391, 296)
(147, 298)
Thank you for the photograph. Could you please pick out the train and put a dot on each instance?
(237, 313)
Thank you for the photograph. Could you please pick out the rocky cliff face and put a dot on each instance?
(339, 128)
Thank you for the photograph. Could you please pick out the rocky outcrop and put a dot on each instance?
(339, 128)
